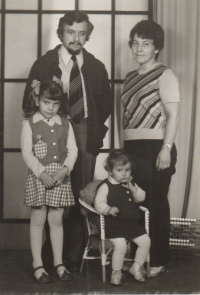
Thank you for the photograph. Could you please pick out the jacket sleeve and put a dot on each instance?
(32, 75)
(107, 101)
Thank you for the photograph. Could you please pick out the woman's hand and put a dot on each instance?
(47, 180)
(60, 175)
(113, 211)
(163, 159)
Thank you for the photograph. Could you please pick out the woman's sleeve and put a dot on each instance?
(27, 153)
(168, 87)
(72, 150)
(100, 202)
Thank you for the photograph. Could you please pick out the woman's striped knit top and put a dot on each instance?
(143, 107)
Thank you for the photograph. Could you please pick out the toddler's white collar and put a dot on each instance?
(112, 180)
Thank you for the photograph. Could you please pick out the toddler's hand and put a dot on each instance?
(60, 175)
(47, 180)
(113, 211)
(132, 187)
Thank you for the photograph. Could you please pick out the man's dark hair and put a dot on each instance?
(74, 16)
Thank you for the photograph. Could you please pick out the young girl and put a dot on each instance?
(117, 199)
(49, 150)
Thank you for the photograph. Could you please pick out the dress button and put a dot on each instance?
(128, 192)
(129, 200)
(52, 130)
(55, 157)
(54, 143)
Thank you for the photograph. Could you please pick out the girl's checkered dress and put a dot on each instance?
(49, 147)
(37, 195)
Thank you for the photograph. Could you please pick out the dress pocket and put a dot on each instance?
(40, 149)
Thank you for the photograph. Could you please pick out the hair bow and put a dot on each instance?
(55, 79)
(36, 86)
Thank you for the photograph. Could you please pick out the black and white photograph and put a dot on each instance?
(99, 147)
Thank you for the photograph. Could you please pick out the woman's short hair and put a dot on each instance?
(74, 16)
(118, 157)
(147, 29)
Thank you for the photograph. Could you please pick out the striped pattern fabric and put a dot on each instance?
(37, 195)
(141, 100)
(76, 106)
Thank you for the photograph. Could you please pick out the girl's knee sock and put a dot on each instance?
(38, 217)
(55, 219)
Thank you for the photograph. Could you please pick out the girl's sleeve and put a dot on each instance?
(139, 196)
(27, 153)
(72, 150)
(100, 202)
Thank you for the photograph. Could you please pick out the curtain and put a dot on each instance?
(180, 20)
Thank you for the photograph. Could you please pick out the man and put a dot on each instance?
(86, 77)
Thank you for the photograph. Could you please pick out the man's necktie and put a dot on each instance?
(76, 107)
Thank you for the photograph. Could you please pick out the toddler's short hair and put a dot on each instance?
(119, 157)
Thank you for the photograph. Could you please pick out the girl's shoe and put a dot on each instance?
(43, 278)
(155, 271)
(64, 274)
(138, 272)
(116, 277)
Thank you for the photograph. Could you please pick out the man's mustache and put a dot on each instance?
(75, 43)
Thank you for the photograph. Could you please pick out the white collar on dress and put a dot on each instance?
(55, 119)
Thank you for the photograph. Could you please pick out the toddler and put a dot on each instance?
(117, 199)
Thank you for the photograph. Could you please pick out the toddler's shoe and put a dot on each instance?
(155, 271)
(116, 277)
(138, 272)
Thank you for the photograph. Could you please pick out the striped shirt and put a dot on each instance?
(143, 99)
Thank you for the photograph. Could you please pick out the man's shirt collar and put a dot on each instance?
(66, 56)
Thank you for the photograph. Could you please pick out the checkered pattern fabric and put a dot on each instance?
(37, 195)
(40, 149)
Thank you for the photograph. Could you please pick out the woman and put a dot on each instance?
(151, 102)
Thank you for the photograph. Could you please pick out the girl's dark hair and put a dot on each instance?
(147, 29)
(119, 157)
(74, 16)
(50, 90)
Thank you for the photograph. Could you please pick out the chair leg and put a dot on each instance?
(82, 265)
(85, 254)
(103, 260)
